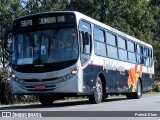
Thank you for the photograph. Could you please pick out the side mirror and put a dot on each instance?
(8, 42)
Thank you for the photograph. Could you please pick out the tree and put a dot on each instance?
(154, 6)
(9, 11)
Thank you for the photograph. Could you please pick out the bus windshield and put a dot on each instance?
(48, 46)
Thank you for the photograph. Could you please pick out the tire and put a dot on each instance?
(138, 93)
(98, 94)
(129, 96)
(46, 100)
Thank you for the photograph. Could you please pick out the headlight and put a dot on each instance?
(16, 79)
(13, 76)
(69, 75)
(74, 71)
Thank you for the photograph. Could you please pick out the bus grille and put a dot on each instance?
(37, 80)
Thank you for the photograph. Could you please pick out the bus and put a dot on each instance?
(66, 53)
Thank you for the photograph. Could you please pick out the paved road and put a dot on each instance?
(148, 104)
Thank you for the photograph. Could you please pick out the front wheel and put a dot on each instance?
(46, 100)
(98, 94)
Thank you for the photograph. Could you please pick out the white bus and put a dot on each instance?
(66, 53)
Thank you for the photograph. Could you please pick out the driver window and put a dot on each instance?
(85, 39)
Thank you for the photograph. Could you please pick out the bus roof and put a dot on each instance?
(80, 16)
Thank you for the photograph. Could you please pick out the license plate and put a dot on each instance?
(40, 87)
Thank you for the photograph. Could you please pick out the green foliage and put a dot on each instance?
(5, 88)
(156, 87)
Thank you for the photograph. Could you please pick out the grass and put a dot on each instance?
(152, 92)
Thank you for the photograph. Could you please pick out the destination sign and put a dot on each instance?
(44, 19)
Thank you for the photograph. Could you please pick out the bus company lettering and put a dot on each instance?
(114, 67)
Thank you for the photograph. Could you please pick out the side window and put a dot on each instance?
(122, 49)
(85, 38)
(99, 44)
(139, 51)
(121, 43)
(111, 39)
(146, 56)
(151, 57)
(131, 46)
(98, 34)
(84, 26)
(111, 45)
(131, 52)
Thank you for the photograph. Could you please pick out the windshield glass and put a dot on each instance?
(47, 46)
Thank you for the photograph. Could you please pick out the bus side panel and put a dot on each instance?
(90, 74)
(117, 81)
(87, 84)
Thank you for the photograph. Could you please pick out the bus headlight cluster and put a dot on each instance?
(69, 75)
(11, 73)
(16, 79)
(74, 71)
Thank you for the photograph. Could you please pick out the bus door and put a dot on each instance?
(85, 49)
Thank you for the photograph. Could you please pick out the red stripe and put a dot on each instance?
(125, 69)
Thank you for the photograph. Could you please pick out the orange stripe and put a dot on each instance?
(131, 76)
(133, 73)
(140, 71)
(129, 82)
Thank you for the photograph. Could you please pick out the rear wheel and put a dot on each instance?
(46, 100)
(129, 95)
(98, 94)
(138, 93)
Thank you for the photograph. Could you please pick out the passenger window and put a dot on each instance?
(139, 59)
(150, 53)
(99, 44)
(131, 46)
(112, 52)
(151, 62)
(122, 54)
(132, 57)
(121, 43)
(146, 56)
(151, 58)
(100, 48)
(147, 61)
(138, 50)
(98, 34)
(145, 51)
(122, 49)
(111, 39)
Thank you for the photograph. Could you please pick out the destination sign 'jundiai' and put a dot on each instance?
(44, 19)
